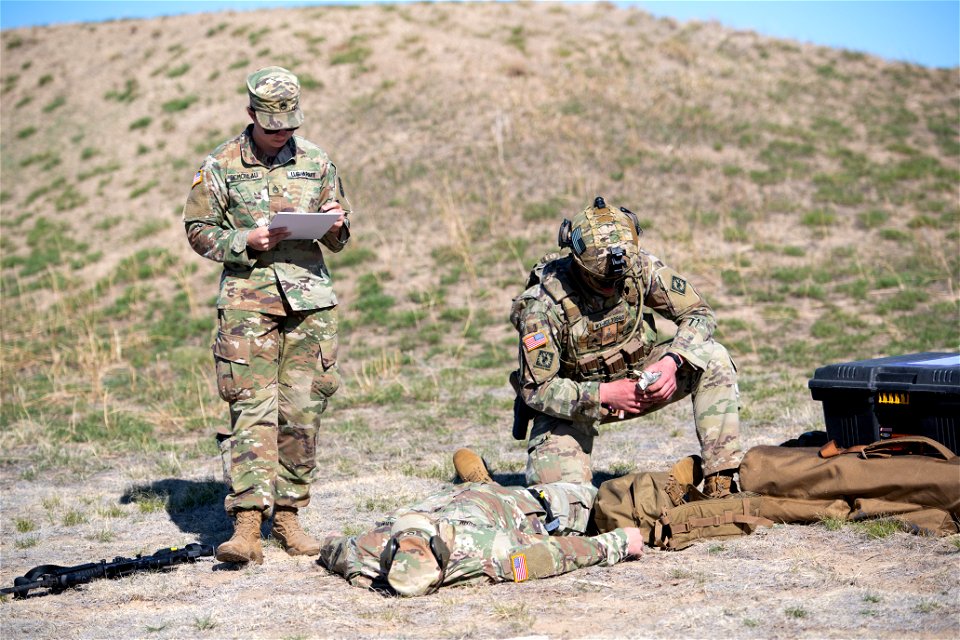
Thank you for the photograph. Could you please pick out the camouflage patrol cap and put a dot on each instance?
(275, 98)
(416, 554)
(604, 240)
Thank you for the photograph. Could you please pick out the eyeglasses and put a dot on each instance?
(271, 132)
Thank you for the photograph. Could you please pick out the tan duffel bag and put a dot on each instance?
(915, 479)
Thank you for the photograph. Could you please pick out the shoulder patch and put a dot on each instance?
(534, 340)
(197, 178)
(679, 285)
(518, 562)
(544, 360)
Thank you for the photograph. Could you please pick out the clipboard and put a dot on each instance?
(304, 225)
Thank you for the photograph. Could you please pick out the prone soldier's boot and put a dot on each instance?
(244, 546)
(286, 529)
(471, 467)
(720, 485)
(684, 473)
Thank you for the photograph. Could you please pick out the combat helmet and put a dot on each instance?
(414, 560)
(604, 242)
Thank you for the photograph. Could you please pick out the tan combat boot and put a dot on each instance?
(684, 473)
(286, 529)
(471, 467)
(244, 546)
(719, 485)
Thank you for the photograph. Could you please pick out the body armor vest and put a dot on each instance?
(600, 346)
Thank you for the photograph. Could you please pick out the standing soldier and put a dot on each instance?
(587, 332)
(276, 344)
(479, 533)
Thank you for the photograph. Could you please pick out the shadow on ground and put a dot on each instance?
(195, 506)
(520, 480)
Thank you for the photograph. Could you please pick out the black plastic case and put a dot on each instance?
(868, 400)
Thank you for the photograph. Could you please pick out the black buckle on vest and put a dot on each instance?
(550, 523)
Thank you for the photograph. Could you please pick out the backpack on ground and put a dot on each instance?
(640, 500)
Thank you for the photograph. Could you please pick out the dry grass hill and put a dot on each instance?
(811, 193)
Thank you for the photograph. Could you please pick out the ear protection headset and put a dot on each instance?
(439, 549)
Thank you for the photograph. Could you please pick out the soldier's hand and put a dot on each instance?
(264, 238)
(634, 541)
(621, 395)
(334, 207)
(662, 389)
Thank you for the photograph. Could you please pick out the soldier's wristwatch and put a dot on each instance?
(676, 359)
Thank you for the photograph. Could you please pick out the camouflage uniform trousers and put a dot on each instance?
(559, 450)
(277, 373)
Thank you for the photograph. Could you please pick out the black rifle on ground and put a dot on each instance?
(58, 579)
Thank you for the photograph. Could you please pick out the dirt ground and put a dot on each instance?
(785, 582)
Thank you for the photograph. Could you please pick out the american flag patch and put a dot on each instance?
(197, 178)
(534, 340)
(519, 563)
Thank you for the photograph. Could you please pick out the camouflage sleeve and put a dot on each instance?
(541, 349)
(356, 558)
(334, 185)
(555, 556)
(672, 296)
(208, 229)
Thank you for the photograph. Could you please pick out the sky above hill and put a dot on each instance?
(926, 32)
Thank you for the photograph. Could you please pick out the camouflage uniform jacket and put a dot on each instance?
(558, 318)
(234, 192)
(492, 524)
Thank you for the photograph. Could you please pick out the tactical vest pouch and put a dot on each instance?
(614, 364)
(632, 352)
(589, 365)
(640, 500)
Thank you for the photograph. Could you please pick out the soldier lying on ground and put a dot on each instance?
(473, 533)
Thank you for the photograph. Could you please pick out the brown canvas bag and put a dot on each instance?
(640, 500)
(914, 479)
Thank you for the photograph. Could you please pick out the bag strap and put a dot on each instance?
(728, 517)
(904, 445)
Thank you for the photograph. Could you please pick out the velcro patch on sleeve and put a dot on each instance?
(518, 562)
(678, 285)
(197, 178)
(534, 340)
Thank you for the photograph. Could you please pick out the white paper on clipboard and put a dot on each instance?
(304, 225)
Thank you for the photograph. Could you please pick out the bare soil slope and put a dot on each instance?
(810, 193)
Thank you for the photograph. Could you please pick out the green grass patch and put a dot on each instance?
(178, 71)
(353, 256)
(548, 210)
(26, 132)
(24, 525)
(371, 301)
(141, 123)
(126, 95)
(56, 103)
(144, 188)
(818, 218)
(178, 104)
(74, 517)
(351, 52)
(518, 38)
